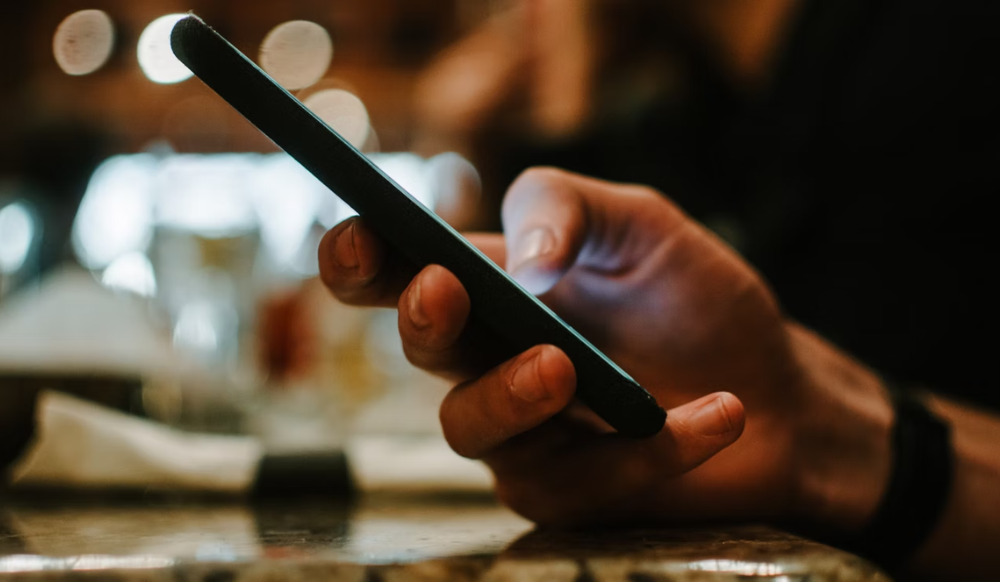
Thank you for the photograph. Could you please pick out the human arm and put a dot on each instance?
(767, 420)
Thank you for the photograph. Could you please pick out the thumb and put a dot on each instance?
(545, 224)
(554, 220)
(698, 430)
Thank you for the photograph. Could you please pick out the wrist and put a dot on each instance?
(843, 437)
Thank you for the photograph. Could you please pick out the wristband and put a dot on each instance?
(919, 485)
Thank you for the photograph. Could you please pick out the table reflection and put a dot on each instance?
(397, 539)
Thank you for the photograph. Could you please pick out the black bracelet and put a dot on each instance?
(918, 489)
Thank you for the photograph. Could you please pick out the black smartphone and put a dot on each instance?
(498, 302)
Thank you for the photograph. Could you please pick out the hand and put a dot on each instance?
(671, 304)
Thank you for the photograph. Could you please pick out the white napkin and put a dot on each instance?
(79, 444)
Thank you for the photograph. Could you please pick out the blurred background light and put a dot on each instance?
(206, 194)
(332, 210)
(287, 199)
(216, 196)
(343, 111)
(83, 42)
(207, 329)
(17, 231)
(116, 214)
(131, 272)
(456, 187)
(409, 171)
(372, 143)
(156, 58)
(196, 327)
(296, 53)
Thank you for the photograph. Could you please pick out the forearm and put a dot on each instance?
(843, 433)
(846, 457)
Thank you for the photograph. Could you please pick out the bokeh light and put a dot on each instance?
(333, 210)
(131, 272)
(83, 42)
(343, 111)
(116, 214)
(205, 328)
(296, 53)
(457, 188)
(217, 196)
(206, 194)
(196, 327)
(409, 171)
(156, 59)
(17, 231)
(287, 199)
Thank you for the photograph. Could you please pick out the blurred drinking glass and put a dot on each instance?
(204, 249)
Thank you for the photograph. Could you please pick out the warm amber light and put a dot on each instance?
(156, 59)
(296, 53)
(343, 111)
(83, 42)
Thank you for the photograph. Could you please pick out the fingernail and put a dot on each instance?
(343, 249)
(711, 418)
(415, 309)
(535, 244)
(526, 383)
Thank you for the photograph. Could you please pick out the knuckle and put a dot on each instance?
(417, 351)
(543, 176)
(649, 198)
(452, 435)
(353, 292)
(414, 355)
(329, 279)
(646, 193)
(427, 350)
(348, 289)
(327, 271)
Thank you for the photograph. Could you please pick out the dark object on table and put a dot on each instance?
(319, 475)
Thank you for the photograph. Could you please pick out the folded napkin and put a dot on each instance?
(82, 445)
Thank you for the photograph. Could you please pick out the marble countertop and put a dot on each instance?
(385, 540)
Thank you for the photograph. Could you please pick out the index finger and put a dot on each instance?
(359, 268)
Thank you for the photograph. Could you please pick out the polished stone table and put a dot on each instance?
(385, 540)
